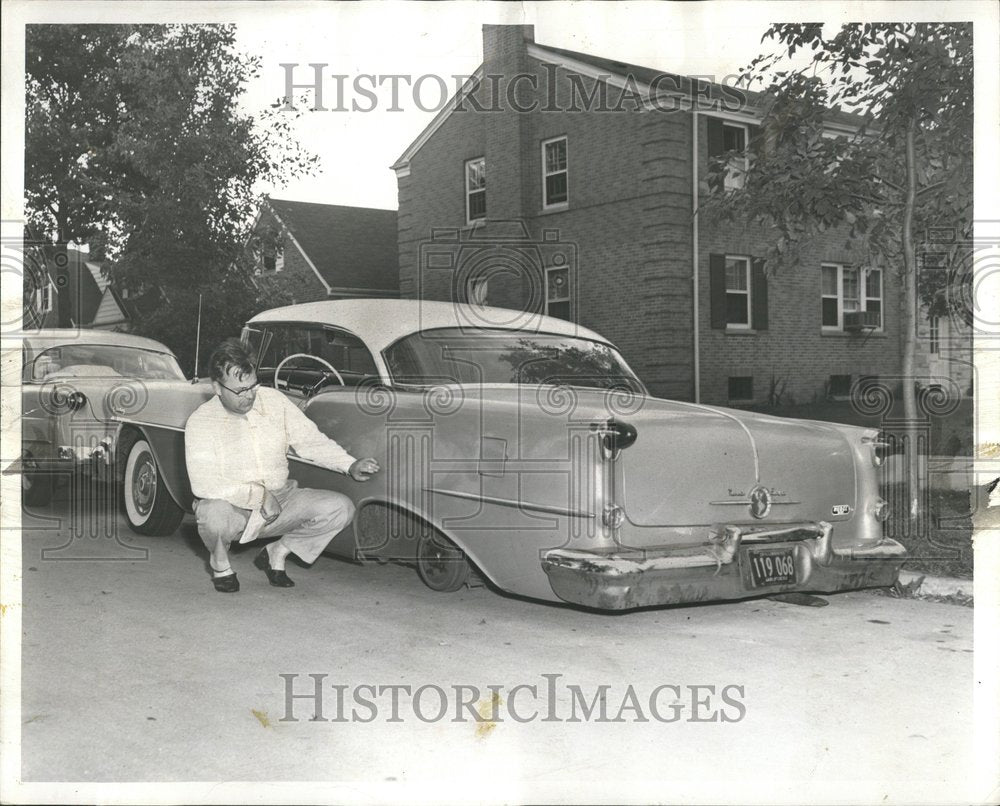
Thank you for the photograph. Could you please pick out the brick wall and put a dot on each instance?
(628, 230)
(793, 349)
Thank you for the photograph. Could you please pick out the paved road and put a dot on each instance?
(135, 669)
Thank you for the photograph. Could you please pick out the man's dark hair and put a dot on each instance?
(231, 354)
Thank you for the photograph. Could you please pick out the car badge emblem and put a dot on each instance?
(760, 501)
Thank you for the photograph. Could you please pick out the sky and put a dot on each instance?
(445, 40)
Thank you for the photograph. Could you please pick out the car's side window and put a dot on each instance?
(344, 351)
(339, 349)
(283, 341)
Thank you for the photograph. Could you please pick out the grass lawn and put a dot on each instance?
(941, 543)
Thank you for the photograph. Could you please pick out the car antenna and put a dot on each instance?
(197, 343)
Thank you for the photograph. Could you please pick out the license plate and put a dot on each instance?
(771, 567)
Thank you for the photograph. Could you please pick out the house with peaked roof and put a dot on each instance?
(325, 251)
(566, 183)
(90, 298)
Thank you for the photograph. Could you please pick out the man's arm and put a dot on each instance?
(202, 448)
(310, 443)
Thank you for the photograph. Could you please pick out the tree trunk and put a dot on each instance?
(909, 326)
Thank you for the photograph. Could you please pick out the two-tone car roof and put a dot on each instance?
(382, 322)
(45, 338)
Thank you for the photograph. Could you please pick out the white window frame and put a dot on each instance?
(863, 291)
(748, 261)
(934, 335)
(736, 171)
(862, 294)
(546, 174)
(469, 191)
(44, 297)
(569, 289)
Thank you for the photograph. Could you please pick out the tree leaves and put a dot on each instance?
(803, 179)
(135, 136)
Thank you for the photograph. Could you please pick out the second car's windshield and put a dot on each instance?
(104, 360)
(454, 355)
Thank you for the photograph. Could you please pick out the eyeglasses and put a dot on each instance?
(240, 392)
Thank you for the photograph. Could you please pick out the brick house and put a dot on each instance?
(584, 205)
(324, 251)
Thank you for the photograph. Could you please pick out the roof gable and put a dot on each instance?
(349, 247)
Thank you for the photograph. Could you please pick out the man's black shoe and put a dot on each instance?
(227, 584)
(277, 578)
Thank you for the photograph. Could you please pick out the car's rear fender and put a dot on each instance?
(402, 525)
(167, 445)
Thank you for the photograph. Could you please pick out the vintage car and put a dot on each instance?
(75, 384)
(523, 448)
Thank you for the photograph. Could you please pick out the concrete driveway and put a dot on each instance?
(134, 669)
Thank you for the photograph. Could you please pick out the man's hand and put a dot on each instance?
(269, 507)
(363, 469)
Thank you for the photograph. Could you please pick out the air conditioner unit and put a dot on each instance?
(861, 320)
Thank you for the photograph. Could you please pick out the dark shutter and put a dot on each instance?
(716, 142)
(717, 283)
(758, 295)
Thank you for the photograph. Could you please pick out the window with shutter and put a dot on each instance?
(730, 137)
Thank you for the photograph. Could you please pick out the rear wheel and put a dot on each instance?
(440, 563)
(146, 502)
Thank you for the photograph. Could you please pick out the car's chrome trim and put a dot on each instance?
(747, 503)
(507, 502)
(152, 425)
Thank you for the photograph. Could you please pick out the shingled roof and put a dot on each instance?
(351, 247)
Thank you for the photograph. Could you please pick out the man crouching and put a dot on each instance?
(236, 446)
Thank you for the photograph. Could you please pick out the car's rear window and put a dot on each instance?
(455, 355)
(104, 360)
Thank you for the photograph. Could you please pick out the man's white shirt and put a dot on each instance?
(236, 457)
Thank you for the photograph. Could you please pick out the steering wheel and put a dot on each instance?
(316, 358)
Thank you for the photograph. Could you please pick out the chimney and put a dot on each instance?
(504, 45)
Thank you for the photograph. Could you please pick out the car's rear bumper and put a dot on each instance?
(719, 570)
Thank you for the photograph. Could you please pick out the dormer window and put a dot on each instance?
(272, 260)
